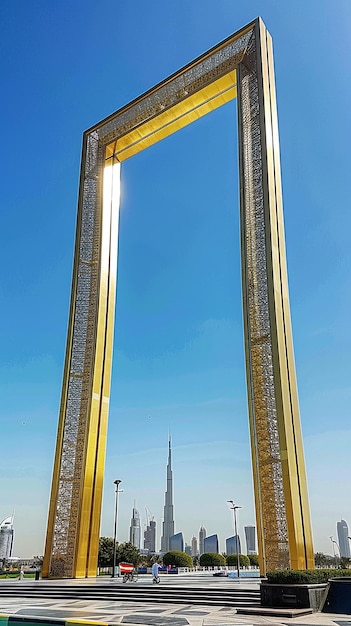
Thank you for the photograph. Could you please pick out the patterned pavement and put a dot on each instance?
(156, 615)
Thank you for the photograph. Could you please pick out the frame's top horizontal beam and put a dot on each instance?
(202, 85)
(245, 29)
(173, 119)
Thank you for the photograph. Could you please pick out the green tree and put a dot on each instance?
(128, 553)
(177, 558)
(212, 559)
(253, 558)
(105, 558)
(232, 559)
(147, 560)
(320, 559)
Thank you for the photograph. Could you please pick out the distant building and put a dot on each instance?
(150, 537)
(176, 542)
(135, 529)
(6, 537)
(343, 537)
(250, 535)
(202, 535)
(194, 546)
(211, 544)
(233, 545)
(168, 518)
(187, 549)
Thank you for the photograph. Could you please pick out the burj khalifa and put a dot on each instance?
(168, 520)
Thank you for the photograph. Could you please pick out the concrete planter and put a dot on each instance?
(292, 596)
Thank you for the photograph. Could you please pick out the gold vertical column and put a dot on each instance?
(282, 511)
(75, 504)
(88, 538)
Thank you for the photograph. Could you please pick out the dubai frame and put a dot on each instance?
(241, 66)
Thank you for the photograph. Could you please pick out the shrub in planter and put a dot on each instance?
(211, 559)
(232, 559)
(304, 577)
(253, 558)
(177, 558)
(297, 588)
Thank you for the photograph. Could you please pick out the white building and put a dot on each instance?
(194, 551)
(135, 529)
(6, 537)
(202, 536)
(150, 537)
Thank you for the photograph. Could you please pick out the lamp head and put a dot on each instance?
(234, 506)
(117, 482)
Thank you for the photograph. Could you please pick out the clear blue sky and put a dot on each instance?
(179, 359)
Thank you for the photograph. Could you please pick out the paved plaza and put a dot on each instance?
(152, 613)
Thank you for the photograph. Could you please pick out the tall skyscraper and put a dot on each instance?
(194, 551)
(250, 535)
(168, 520)
(135, 529)
(6, 537)
(343, 534)
(202, 536)
(150, 537)
(211, 544)
(233, 545)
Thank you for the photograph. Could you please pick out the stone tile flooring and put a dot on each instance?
(137, 613)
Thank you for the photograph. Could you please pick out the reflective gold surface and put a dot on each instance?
(242, 65)
(189, 110)
(282, 511)
(75, 505)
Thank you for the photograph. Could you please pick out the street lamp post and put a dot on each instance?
(335, 543)
(234, 508)
(117, 484)
(332, 542)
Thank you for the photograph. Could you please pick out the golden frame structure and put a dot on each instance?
(241, 66)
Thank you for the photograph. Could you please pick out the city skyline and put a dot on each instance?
(139, 531)
(179, 355)
(171, 540)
